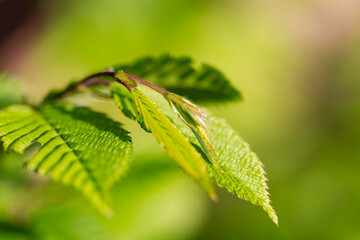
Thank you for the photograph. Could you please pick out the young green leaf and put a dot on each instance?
(181, 75)
(125, 102)
(79, 147)
(194, 117)
(166, 133)
(243, 172)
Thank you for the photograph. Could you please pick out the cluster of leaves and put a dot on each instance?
(88, 150)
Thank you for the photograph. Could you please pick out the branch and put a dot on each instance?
(94, 80)
(86, 82)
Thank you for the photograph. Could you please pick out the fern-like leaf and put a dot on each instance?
(79, 147)
(166, 133)
(181, 75)
(243, 172)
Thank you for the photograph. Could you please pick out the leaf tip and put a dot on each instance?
(274, 218)
(271, 212)
(213, 196)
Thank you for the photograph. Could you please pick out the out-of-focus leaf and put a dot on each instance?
(181, 75)
(10, 92)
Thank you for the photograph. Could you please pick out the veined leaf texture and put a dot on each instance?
(87, 150)
(79, 147)
(243, 172)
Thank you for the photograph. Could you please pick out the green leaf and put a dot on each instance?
(124, 100)
(243, 171)
(9, 91)
(166, 133)
(193, 117)
(181, 75)
(79, 147)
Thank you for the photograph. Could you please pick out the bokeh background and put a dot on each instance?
(297, 63)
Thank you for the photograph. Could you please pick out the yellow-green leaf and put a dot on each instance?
(168, 136)
(243, 172)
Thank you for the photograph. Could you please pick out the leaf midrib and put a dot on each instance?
(91, 176)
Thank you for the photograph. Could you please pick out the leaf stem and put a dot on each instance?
(94, 80)
(146, 83)
(86, 82)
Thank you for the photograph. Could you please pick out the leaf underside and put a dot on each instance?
(243, 171)
(79, 147)
(169, 137)
(180, 75)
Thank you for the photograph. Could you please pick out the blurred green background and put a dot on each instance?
(297, 64)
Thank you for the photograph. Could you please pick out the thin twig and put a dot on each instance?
(146, 83)
(86, 82)
(94, 80)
